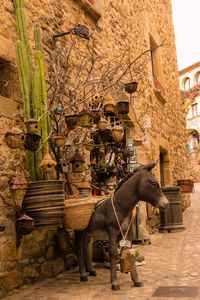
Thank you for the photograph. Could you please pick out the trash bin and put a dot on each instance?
(172, 218)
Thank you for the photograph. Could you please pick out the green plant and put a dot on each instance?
(32, 81)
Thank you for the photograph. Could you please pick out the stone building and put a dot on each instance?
(114, 24)
(189, 79)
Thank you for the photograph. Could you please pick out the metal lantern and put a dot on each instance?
(102, 124)
(109, 104)
(18, 187)
(32, 141)
(117, 133)
(59, 140)
(14, 138)
(32, 126)
(85, 118)
(77, 163)
(47, 164)
(131, 87)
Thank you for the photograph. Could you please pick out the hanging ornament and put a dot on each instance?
(123, 107)
(117, 133)
(97, 98)
(89, 144)
(109, 104)
(131, 87)
(71, 121)
(32, 126)
(77, 163)
(102, 124)
(85, 118)
(14, 138)
(32, 141)
(58, 109)
(59, 140)
(18, 187)
(47, 164)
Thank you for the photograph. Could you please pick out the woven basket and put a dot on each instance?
(78, 214)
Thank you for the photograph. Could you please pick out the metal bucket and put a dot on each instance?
(44, 202)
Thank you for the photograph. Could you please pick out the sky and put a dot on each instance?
(186, 17)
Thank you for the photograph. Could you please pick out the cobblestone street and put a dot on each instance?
(172, 259)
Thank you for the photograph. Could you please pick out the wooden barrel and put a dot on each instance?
(45, 202)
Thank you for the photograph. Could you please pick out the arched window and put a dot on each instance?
(187, 84)
(198, 77)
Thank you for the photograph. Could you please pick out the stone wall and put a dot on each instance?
(121, 22)
(193, 166)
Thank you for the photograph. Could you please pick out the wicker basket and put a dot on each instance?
(78, 214)
(117, 133)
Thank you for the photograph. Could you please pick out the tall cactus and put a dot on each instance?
(33, 87)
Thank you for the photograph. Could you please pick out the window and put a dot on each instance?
(194, 110)
(198, 78)
(187, 84)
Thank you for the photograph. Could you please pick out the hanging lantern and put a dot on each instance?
(71, 121)
(123, 107)
(117, 133)
(126, 264)
(97, 98)
(14, 138)
(18, 187)
(77, 163)
(84, 189)
(89, 144)
(102, 124)
(85, 118)
(109, 104)
(59, 140)
(47, 164)
(24, 225)
(32, 126)
(32, 141)
(131, 87)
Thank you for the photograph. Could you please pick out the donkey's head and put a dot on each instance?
(149, 188)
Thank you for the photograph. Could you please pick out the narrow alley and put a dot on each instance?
(172, 260)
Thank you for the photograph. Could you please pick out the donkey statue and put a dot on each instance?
(117, 212)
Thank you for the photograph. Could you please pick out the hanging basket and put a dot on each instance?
(109, 104)
(14, 138)
(24, 225)
(32, 141)
(32, 126)
(96, 114)
(131, 87)
(59, 140)
(71, 121)
(85, 118)
(117, 133)
(47, 164)
(123, 107)
(77, 215)
(102, 124)
(18, 187)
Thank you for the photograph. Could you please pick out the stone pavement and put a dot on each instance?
(172, 259)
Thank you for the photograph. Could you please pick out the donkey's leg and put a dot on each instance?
(112, 234)
(134, 274)
(87, 258)
(79, 235)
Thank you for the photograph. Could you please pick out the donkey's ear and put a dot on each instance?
(149, 167)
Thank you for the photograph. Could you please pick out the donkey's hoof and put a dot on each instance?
(84, 278)
(93, 273)
(138, 284)
(115, 287)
